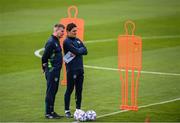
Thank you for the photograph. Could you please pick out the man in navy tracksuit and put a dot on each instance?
(51, 65)
(74, 68)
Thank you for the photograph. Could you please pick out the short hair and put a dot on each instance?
(59, 25)
(70, 26)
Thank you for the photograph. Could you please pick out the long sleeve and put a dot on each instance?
(75, 50)
(47, 52)
(85, 51)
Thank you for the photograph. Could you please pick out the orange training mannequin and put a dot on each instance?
(129, 60)
(80, 32)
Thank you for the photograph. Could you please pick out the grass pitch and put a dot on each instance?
(26, 25)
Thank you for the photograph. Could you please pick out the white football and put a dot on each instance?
(91, 115)
(83, 117)
(80, 115)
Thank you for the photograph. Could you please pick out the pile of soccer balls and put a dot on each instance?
(82, 116)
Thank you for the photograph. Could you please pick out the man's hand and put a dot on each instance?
(44, 67)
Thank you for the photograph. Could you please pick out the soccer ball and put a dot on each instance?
(83, 117)
(91, 115)
(80, 115)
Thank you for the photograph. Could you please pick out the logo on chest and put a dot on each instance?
(79, 42)
(56, 44)
(58, 48)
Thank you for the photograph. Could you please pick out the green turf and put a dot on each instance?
(151, 114)
(26, 25)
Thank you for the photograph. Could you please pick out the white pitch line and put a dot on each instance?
(146, 72)
(161, 37)
(100, 40)
(140, 107)
(113, 39)
(37, 53)
(146, 37)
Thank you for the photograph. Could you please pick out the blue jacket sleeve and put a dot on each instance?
(47, 52)
(85, 49)
(77, 51)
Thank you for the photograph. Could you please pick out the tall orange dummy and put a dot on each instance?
(80, 32)
(129, 65)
